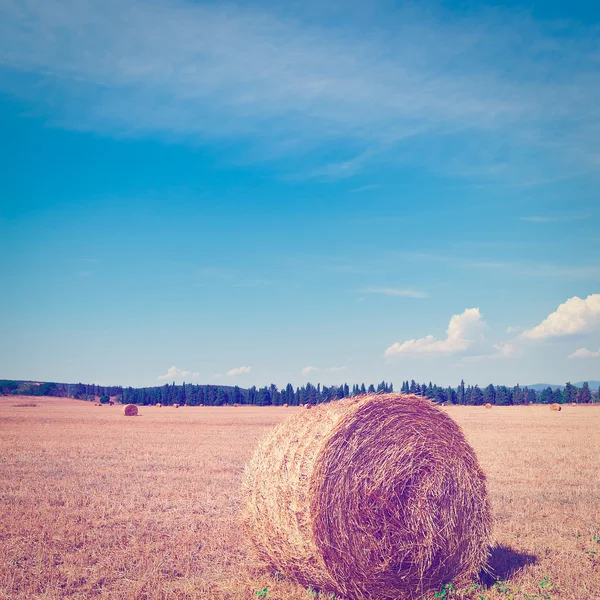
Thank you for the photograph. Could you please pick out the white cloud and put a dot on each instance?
(584, 353)
(335, 369)
(396, 292)
(175, 373)
(514, 329)
(575, 316)
(463, 332)
(239, 371)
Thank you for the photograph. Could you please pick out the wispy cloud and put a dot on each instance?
(365, 188)
(233, 277)
(310, 369)
(395, 292)
(195, 71)
(556, 218)
(499, 351)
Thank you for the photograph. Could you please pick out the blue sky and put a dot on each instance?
(271, 192)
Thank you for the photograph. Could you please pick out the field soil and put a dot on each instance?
(94, 504)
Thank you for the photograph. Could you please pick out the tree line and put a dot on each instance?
(215, 395)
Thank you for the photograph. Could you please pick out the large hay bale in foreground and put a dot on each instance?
(378, 496)
(130, 410)
(556, 407)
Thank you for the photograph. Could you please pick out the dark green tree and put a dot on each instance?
(585, 395)
(570, 393)
(489, 395)
(477, 397)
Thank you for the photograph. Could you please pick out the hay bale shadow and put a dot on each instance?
(503, 563)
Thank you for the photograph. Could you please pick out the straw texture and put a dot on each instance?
(556, 407)
(130, 410)
(378, 496)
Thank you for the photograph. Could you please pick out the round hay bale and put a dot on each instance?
(158, 405)
(175, 405)
(308, 406)
(200, 404)
(573, 404)
(488, 405)
(556, 407)
(377, 496)
(235, 405)
(285, 405)
(130, 410)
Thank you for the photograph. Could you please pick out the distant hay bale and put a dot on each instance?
(488, 405)
(285, 405)
(158, 405)
(175, 405)
(377, 496)
(557, 407)
(235, 405)
(130, 410)
(308, 406)
(573, 404)
(200, 404)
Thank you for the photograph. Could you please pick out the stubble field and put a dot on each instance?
(97, 505)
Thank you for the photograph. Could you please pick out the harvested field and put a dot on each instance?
(93, 505)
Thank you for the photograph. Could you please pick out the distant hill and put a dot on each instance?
(538, 387)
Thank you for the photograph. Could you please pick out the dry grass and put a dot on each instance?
(93, 505)
(377, 496)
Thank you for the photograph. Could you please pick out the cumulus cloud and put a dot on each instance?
(575, 316)
(175, 373)
(584, 353)
(239, 371)
(463, 332)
